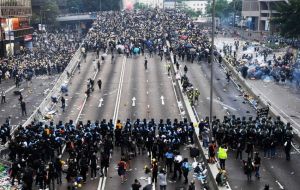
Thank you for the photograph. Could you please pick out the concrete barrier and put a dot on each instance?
(190, 113)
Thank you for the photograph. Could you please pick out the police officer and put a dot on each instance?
(196, 96)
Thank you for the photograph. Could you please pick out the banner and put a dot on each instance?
(263, 112)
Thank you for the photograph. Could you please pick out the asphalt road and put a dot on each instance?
(128, 91)
(228, 101)
(32, 95)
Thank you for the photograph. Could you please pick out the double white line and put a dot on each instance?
(102, 181)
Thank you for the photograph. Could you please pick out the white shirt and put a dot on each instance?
(162, 179)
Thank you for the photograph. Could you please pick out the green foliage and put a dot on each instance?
(223, 8)
(140, 6)
(50, 10)
(288, 19)
(191, 13)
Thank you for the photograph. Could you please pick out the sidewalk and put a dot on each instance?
(272, 93)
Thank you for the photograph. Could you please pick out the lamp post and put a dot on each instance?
(211, 62)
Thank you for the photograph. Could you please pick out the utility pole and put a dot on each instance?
(211, 62)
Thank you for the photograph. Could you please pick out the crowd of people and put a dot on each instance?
(36, 150)
(249, 135)
(49, 54)
(257, 62)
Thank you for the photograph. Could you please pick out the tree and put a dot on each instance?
(139, 6)
(192, 13)
(49, 11)
(221, 9)
(287, 19)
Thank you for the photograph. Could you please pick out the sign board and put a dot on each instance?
(263, 112)
(9, 36)
(27, 37)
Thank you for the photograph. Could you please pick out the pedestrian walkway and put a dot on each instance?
(273, 93)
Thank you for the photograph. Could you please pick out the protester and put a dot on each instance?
(136, 185)
(222, 155)
(162, 179)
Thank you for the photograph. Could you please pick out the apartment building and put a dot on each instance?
(15, 29)
(258, 13)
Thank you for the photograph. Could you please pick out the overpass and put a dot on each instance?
(77, 17)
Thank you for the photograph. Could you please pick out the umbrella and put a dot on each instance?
(136, 50)
(149, 43)
(189, 45)
(183, 37)
(120, 47)
(192, 49)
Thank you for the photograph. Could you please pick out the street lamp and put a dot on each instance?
(211, 62)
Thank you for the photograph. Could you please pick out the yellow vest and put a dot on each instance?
(222, 153)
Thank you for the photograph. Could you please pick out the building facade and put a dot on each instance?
(197, 5)
(258, 13)
(151, 3)
(15, 29)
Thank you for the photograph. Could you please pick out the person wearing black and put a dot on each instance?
(63, 103)
(23, 108)
(239, 149)
(154, 171)
(287, 149)
(93, 165)
(192, 186)
(28, 178)
(98, 65)
(185, 69)
(84, 168)
(58, 168)
(146, 63)
(104, 163)
(51, 175)
(257, 162)
(15, 173)
(136, 185)
(249, 169)
(99, 82)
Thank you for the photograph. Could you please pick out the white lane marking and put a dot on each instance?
(100, 183)
(101, 186)
(9, 89)
(221, 103)
(277, 108)
(279, 184)
(100, 103)
(162, 100)
(80, 111)
(117, 105)
(104, 181)
(133, 101)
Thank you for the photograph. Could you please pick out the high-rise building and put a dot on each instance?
(258, 13)
(15, 29)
